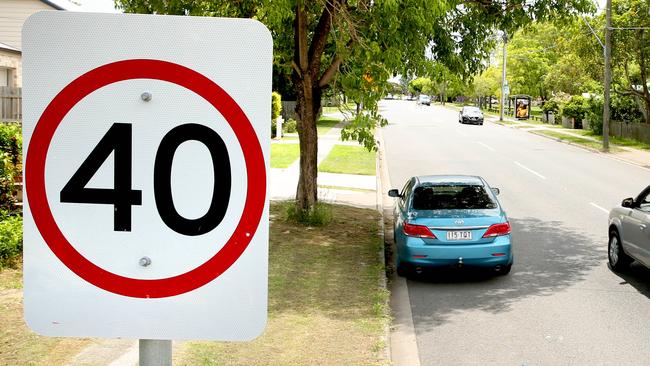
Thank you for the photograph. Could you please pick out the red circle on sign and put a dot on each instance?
(213, 94)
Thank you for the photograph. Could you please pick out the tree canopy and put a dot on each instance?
(358, 45)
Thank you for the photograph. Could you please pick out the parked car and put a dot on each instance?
(450, 221)
(424, 99)
(471, 115)
(629, 232)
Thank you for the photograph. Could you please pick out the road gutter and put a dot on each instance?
(403, 347)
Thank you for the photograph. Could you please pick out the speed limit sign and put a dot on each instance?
(146, 157)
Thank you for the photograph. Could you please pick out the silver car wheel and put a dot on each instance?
(613, 250)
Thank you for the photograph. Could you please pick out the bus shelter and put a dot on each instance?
(522, 105)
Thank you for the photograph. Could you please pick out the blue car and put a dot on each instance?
(445, 221)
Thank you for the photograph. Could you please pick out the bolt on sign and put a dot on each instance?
(147, 149)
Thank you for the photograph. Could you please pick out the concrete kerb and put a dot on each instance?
(402, 346)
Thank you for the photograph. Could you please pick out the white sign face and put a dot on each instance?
(146, 157)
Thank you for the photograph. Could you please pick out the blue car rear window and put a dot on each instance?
(451, 197)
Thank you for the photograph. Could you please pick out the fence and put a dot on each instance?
(288, 109)
(631, 130)
(11, 104)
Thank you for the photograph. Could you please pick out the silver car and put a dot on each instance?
(471, 115)
(424, 99)
(629, 232)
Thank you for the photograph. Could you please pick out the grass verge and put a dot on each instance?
(349, 107)
(326, 306)
(540, 123)
(620, 141)
(11, 278)
(576, 140)
(18, 344)
(349, 160)
(283, 155)
(325, 124)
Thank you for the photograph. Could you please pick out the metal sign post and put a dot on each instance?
(155, 352)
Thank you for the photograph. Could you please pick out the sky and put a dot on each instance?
(99, 6)
(107, 6)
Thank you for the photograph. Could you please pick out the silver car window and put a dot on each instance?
(644, 203)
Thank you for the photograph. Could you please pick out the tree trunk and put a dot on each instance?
(308, 84)
(307, 107)
(643, 101)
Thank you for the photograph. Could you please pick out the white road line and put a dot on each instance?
(530, 170)
(462, 133)
(599, 207)
(485, 146)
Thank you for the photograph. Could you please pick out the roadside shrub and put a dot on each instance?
(276, 108)
(625, 109)
(622, 109)
(594, 113)
(575, 108)
(11, 239)
(319, 215)
(11, 144)
(276, 105)
(550, 106)
(289, 126)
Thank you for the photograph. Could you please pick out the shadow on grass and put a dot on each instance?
(548, 258)
(332, 270)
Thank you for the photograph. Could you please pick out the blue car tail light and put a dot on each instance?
(419, 231)
(497, 230)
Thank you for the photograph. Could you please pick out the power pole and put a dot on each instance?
(503, 75)
(608, 73)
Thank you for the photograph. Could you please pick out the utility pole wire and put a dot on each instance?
(593, 32)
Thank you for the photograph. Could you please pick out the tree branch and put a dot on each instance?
(330, 72)
(630, 91)
(321, 33)
(296, 69)
(300, 39)
(483, 3)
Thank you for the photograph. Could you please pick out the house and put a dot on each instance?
(14, 13)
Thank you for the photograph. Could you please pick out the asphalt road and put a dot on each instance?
(560, 305)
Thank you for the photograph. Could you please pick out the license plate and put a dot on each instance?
(459, 235)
